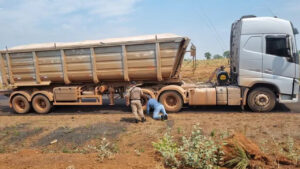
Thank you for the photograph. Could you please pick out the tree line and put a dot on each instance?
(208, 55)
(226, 54)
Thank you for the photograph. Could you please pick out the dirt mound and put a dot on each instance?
(252, 150)
(256, 157)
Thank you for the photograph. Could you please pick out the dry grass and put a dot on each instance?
(204, 68)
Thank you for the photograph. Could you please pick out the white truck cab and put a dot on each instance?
(264, 61)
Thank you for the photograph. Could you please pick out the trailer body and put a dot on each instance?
(145, 58)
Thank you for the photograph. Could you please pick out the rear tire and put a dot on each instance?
(20, 104)
(261, 100)
(171, 100)
(41, 104)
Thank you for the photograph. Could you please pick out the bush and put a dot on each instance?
(105, 150)
(195, 151)
(168, 149)
(198, 151)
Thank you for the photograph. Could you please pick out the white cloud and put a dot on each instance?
(31, 21)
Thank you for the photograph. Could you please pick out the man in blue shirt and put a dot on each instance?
(154, 104)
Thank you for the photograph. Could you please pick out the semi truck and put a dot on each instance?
(264, 70)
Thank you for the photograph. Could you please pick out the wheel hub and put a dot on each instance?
(262, 100)
(21, 104)
(42, 103)
(171, 101)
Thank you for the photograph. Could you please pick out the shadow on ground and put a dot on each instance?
(24, 135)
(80, 135)
(120, 108)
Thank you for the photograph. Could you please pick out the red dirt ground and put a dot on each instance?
(135, 140)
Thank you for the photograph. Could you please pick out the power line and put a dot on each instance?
(216, 38)
(211, 26)
(269, 9)
(215, 30)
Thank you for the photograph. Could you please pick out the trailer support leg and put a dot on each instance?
(111, 96)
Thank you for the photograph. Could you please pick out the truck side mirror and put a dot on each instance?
(193, 50)
(296, 32)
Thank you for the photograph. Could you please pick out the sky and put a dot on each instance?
(206, 22)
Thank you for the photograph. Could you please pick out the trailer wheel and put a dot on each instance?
(261, 100)
(41, 104)
(20, 104)
(171, 100)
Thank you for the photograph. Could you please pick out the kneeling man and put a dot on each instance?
(158, 107)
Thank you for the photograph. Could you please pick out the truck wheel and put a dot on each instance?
(20, 104)
(41, 104)
(171, 100)
(261, 100)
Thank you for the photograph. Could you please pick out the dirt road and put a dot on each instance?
(25, 140)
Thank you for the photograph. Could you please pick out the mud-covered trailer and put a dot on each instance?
(80, 73)
(144, 58)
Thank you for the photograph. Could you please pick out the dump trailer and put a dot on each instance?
(264, 70)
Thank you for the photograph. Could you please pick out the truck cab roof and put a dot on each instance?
(265, 25)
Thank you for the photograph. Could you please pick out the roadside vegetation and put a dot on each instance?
(194, 151)
(105, 149)
(219, 150)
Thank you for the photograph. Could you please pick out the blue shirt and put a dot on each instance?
(152, 103)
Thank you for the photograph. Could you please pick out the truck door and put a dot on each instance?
(278, 65)
(250, 58)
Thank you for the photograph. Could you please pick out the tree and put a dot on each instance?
(226, 54)
(217, 56)
(207, 55)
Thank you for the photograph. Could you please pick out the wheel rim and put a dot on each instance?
(20, 104)
(171, 101)
(41, 103)
(262, 100)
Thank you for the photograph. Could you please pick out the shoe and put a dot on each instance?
(162, 118)
(166, 117)
(143, 119)
(137, 121)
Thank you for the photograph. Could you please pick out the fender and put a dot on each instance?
(49, 95)
(178, 89)
(23, 93)
(265, 83)
(259, 81)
